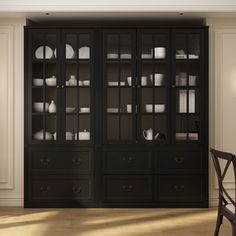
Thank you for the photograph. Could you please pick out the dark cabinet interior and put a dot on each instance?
(116, 116)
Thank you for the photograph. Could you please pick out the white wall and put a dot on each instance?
(11, 115)
(222, 96)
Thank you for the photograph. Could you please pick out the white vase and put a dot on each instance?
(52, 107)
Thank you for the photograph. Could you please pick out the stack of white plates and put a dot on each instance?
(112, 55)
(112, 110)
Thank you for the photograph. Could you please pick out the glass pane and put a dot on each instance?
(71, 74)
(125, 99)
(181, 46)
(84, 46)
(84, 100)
(71, 46)
(160, 128)
(181, 101)
(181, 128)
(147, 131)
(125, 74)
(112, 46)
(37, 128)
(160, 46)
(126, 127)
(112, 100)
(160, 100)
(37, 74)
(38, 46)
(194, 46)
(125, 46)
(84, 75)
(194, 127)
(147, 44)
(71, 127)
(113, 127)
(51, 46)
(51, 127)
(147, 100)
(84, 133)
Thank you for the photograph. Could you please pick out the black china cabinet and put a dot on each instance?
(116, 117)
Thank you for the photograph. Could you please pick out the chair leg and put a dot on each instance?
(218, 224)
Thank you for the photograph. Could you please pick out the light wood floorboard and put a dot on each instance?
(16, 221)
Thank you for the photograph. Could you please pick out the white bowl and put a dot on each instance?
(39, 135)
(86, 82)
(160, 52)
(84, 109)
(38, 106)
(37, 82)
(158, 78)
(159, 108)
(144, 80)
(51, 81)
(149, 107)
(70, 109)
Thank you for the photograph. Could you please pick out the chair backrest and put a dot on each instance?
(221, 172)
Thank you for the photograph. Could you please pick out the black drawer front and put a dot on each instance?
(169, 161)
(127, 188)
(80, 162)
(182, 188)
(61, 189)
(127, 161)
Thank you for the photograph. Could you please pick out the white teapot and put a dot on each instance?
(148, 134)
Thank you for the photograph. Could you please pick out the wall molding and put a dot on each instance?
(7, 108)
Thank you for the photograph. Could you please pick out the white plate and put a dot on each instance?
(70, 109)
(146, 56)
(112, 110)
(84, 53)
(39, 52)
(113, 83)
(70, 53)
(112, 55)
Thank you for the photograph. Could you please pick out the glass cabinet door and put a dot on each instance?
(153, 85)
(119, 85)
(187, 83)
(43, 82)
(77, 57)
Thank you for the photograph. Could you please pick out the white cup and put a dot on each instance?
(129, 80)
(144, 80)
(129, 108)
(159, 108)
(149, 107)
(158, 79)
(160, 52)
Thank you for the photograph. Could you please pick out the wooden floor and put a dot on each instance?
(109, 222)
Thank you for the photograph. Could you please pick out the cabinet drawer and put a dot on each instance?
(183, 188)
(127, 188)
(61, 189)
(127, 161)
(174, 161)
(80, 162)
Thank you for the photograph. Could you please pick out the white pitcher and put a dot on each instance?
(148, 134)
(52, 107)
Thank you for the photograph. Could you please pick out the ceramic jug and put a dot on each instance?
(52, 107)
(72, 80)
(148, 134)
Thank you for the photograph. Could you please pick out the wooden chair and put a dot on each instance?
(227, 205)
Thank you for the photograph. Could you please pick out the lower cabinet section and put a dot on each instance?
(136, 188)
(62, 189)
(180, 188)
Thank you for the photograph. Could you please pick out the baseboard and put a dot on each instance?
(11, 202)
(213, 202)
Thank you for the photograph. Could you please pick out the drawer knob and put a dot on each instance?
(45, 161)
(128, 188)
(179, 188)
(76, 189)
(179, 160)
(76, 162)
(44, 189)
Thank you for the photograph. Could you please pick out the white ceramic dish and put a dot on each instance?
(181, 136)
(129, 80)
(159, 108)
(69, 136)
(113, 83)
(112, 110)
(84, 53)
(125, 56)
(193, 56)
(181, 56)
(112, 56)
(149, 108)
(160, 52)
(86, 82)
(144, 80)
(129, 108)
(192, 80)
(39, 135)
(84, 109)
(40, 51)
(122, 83)
(84, 135)
(146, 56)
(70, 53)
(52, 81)
(70, 109)
(37, 82)
(38, 106)
(158, 79)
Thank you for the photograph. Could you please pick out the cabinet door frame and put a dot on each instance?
(29, 60)
(77, 32)
(167, 61)
(105, 33)
(203, 85)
